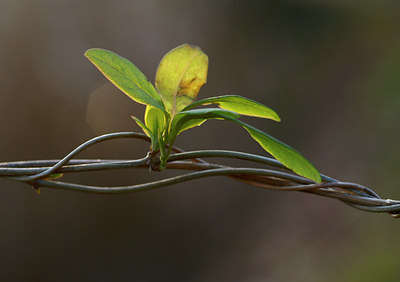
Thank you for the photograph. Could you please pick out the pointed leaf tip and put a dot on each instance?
(288, 156)
(285, 154)
(143, 126)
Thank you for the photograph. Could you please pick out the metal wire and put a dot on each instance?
(38, 173)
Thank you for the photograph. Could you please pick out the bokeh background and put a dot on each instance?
(330, 68)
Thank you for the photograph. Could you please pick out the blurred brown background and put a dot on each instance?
(330, 68)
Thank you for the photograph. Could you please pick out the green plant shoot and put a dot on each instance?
(171, 107)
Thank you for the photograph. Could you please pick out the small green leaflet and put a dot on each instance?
(126, 76)
(181, 73)
(240, 105)
(143, 127)
(154, 119)
(54, 176)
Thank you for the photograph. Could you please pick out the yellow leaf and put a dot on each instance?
(180, 75)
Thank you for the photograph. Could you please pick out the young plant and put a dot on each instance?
(171, 108)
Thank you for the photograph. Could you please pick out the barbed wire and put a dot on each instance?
(44, 173)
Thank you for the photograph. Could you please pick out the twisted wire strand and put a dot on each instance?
(76, 151)
(38, 172)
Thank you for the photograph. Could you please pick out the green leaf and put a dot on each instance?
(282, 152)
(240, 105)
(181, 73)
(143, 127)
(126, 76)
(207, 113)
(191, 123)
(191, 118)
(154, 119)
